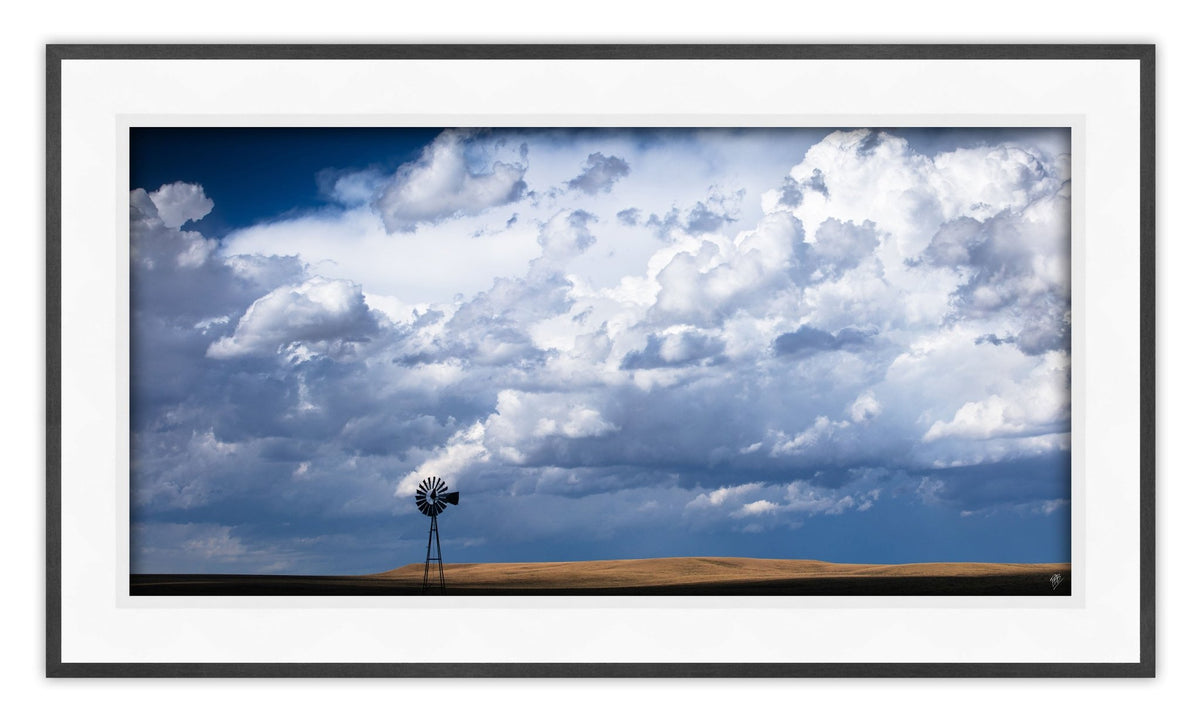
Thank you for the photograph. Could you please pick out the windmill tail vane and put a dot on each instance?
(432, 498)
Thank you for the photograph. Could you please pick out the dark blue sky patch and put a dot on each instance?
(255, 174)
(1045, 476)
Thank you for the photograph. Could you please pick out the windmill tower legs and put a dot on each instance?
(433, 553)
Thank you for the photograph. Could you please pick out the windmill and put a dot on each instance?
(432, 499)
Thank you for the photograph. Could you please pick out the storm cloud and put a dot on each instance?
(761, 367)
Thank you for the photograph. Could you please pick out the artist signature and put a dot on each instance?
(1056, 580)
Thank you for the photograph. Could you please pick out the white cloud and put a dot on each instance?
(464, 450)
(564, 237)
(704, 280)
(724, 495)
(980, 420)
(318, 316)
(785, 504)
(757, 508)
(442, 184)
(1033, 408)
(865, 407)
(577, 423)
(177, 203)
(155, 236)
(983, 181)
(524, 422)
(822, 430)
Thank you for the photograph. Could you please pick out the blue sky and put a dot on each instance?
(842, 344)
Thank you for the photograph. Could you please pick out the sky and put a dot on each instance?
(841, 344)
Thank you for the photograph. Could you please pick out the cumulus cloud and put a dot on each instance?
(565, 236)
(1039, 407)
(599, 174)
(177, 203)
(704, 281)
(522, 417)
(706, 216)
(155, 235)
(980, 420)
(840, 246)
(318, 316)
(522, 426)
(865, 407)
(460, 452)
(675, 348)
(443, 183)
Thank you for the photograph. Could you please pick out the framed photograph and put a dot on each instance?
(592, 360)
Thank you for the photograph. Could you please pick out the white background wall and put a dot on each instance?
(26, 694)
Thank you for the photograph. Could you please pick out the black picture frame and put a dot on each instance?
(56, 55)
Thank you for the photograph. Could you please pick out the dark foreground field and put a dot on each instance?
(677, 576)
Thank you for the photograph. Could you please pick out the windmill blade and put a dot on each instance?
(432, 496)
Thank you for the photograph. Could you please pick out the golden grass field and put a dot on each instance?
(669, 576)
(694, 570)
